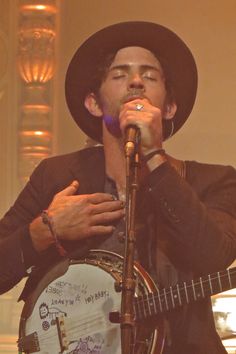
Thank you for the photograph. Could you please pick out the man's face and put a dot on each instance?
(134, 73)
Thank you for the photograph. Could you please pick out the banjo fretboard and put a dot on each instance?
(168, 299)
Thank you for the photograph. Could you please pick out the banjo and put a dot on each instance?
(69, 312)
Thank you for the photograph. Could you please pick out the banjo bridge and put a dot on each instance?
(60, 321)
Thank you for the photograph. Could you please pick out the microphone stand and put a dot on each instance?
(127, 320)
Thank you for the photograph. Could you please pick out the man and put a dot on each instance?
(130, 74)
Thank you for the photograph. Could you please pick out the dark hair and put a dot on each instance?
(100, 71)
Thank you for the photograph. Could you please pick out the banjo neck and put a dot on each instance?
(164, 300)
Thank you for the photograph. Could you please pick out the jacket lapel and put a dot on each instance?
(89, 170)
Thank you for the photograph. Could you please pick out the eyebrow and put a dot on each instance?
(126, 67)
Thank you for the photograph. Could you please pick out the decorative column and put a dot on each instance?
(36, 63)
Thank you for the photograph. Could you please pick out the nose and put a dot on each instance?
(136, 82)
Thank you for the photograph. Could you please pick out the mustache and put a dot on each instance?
(132, 95)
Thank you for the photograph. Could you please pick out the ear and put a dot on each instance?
(92, 105)
(170, 110)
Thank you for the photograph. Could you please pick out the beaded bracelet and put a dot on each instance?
(147, 157)
(48, 221)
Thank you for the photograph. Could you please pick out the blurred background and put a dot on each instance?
(37, 41)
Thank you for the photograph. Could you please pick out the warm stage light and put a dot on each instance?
(35, 133)
(48, 9)
(40, 108)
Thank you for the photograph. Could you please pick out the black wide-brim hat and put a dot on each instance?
(165, 44)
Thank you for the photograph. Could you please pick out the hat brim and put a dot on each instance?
(165, 44)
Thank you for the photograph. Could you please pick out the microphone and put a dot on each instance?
(132, 138)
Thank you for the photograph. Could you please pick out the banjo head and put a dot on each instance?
(69, 311)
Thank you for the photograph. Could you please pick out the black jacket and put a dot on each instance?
(195, 228)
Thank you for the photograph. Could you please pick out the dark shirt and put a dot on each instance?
(114, 242)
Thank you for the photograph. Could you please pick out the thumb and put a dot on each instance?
(70, 190)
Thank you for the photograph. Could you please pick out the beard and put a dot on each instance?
(111, 119)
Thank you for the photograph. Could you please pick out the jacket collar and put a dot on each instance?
(89, 169)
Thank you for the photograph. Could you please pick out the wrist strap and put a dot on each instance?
(48, 221)
(153, 153)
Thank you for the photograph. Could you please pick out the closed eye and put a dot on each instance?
(150, 78)
(151, 75)
(117, 74)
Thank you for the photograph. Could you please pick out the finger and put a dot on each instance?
(101, 230)
(131, 118)
(70, 190)
(97, 198)
(107, 217)
(143, 101)
(131, 105)
(140, 100)
(107, 206)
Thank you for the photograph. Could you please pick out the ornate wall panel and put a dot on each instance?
(27, 66)
(8, 184)
(36, 64)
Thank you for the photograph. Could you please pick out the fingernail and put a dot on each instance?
(113, 197)
(75, 184)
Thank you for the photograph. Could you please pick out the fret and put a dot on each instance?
(199, 291)
(172, 297)
(136, 315)
(194, 293)
(167, 306)
(220, 285)
(139, 306)
(209, 278)
(229, 278)
(144, 309)
(149, 304)
(186, 293)
(154, 303)
(179, 297)
(207, 286)
(176, 296)
(145, 306)
(202, 289)
(159, 298)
